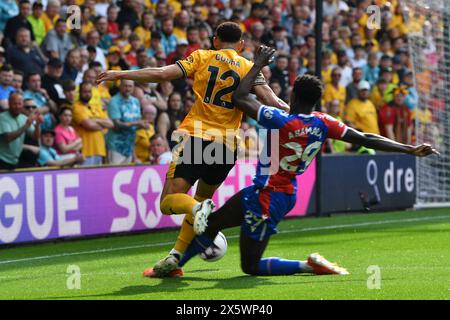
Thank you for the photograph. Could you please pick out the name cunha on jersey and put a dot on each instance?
(306, 131)
(220, 57)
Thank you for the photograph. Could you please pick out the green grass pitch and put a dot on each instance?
(411, 250)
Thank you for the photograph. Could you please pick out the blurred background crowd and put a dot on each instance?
(48, 70)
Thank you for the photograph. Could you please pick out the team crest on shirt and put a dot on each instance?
(190, 59)
(268, 114)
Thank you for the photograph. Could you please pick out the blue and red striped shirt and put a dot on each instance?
(292, 143)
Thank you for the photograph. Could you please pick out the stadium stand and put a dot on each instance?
(366, 70)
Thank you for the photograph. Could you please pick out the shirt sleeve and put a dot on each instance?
(336, 128)
(114, 111)
(79, 114)
(51, 43)
(44, 157)
(59, 136)
(260, 80)
(4, 126)
(350, 112)
(191, 64)
(272, 118)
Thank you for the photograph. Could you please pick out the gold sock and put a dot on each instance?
(187, 230)
(186, 234)
(178, 203)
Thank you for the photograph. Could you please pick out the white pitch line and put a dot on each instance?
(363, 224)
(86, 252)
(331, 227)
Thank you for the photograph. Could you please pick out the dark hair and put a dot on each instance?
(282, 56)
(111, 7)
(174, 93)
(156, 35)
(163, 20)
(84, 83)
(68, 85)
(24, 2)
(94, 64)
(229, 32)
(37, 5)
(22, 29)
(341, 53)
(140, 50)
(20, 73)
(64, 108)
(308, 89)
(32, 74)
(146, 13)
(133, 37)
(277, 29)
(98, 18)
(6, 68)
(121, 27)
(191, 27)
(47, 131)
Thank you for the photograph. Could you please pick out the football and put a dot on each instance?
(217, 250)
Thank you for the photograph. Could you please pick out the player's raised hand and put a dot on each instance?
(424, 150)
(107, 76)
(264, 56)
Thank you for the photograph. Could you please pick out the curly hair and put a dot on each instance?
(308, 90)
(229, 32)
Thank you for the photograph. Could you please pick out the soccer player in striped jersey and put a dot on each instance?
(259, 208)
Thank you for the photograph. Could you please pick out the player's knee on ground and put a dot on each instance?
(249, 267)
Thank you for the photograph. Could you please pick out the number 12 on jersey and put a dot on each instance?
(217, 99)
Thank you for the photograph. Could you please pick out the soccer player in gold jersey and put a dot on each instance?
(209, 131)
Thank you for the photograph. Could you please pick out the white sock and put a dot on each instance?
(176, 253)
(305, 267)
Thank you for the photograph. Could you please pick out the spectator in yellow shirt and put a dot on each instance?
(181, 23)
(100, 96)
(361, 113)
(377, 93)
(51, 14)
(144, 31)
(327, 66)
(335, 91)
(142, 145)
(334, 145)
(86, 24)
(90, 122)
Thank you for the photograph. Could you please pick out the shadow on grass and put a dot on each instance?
(307, 238)
(182, 284)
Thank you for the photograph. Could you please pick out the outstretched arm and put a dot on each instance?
(241, 97)
(170, 72)
(266, 95)
(378, 142)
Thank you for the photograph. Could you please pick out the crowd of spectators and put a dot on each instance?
(48, 69)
